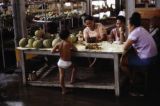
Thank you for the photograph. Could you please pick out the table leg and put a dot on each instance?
(22, 61)
(116, 74)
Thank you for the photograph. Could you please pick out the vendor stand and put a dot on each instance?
(107, 51)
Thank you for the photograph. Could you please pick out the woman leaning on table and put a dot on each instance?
(144, 49)
(93, 31)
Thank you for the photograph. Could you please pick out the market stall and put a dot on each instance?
(107, 51)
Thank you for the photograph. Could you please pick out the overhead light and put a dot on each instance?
(67, 4)
(121, 13)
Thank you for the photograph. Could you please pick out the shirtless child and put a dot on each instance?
(65, 48)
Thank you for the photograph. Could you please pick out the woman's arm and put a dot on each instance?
(85, 34)
(127, 45)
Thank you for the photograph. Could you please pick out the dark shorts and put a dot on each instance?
(134, 60)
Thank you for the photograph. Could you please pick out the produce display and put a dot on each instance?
(23, 42)
(55, 41)
(42, 40)
(47, 43)
(56, 17)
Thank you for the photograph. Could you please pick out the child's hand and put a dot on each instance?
(74, 48)
(52, 51)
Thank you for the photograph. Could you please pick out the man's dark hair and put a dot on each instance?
(135, 19)
(89, 18)
(121, 18)
(64, 34)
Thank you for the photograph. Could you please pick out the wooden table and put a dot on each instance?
(108, 51)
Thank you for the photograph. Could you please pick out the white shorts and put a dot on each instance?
(64, 64)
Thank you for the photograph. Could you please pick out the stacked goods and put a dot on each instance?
(55, 41)
(37, 44)
(49, 36)
(47, 43)
(37, 41)
(41, 40)
(73, 38)
(39, 33)
(23, 42)
(30, 42)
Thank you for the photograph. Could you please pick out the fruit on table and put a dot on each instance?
(39, 33)
(47, 43)
(55, 41)
(23, 42)
(72, 38)
(30, 42)
(37, 43)
(36, 38)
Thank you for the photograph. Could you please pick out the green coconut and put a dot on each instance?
(37, 44)
(73, 38)
(39, 33)
(23, 42)
(47, 43)
(30, 41)
(55, 41)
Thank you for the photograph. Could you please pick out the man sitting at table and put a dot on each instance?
(118, 33)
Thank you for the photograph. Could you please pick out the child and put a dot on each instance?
(65, 48)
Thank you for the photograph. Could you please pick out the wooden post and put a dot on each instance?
(157, 4)
(130, 8)
(89, 7)
(19, 20)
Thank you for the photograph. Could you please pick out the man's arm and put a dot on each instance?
(111, 37)
(122, 34)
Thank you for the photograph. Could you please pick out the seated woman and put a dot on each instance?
(94, 31)
(145, 50)
(118, 34)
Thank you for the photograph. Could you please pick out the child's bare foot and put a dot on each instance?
(63, 91)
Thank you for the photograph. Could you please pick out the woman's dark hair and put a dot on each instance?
(121, 18)
(135, 19)
(64, 34)
(89, 18)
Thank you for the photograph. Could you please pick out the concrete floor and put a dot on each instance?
(49, 96)
(20, 95)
